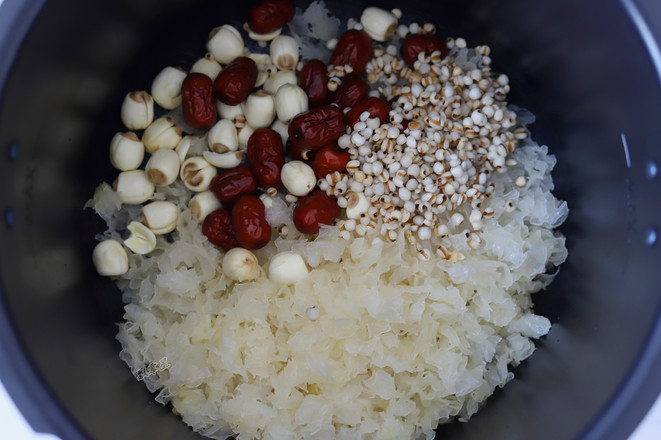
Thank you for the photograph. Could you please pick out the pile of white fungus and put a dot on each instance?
(375, 343)
(396, 328)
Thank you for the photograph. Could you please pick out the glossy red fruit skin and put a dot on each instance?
(298, 152)
(427, 43)
(235, 82)
(317, 127)
(270, 15)
(329, 159)
(353, 48)
(228, 186)
(352, 90)
(314, 80)
(314, 210)
(266, 156)
(217, 227)
(377, 108)
(249, 222)
(197, 103)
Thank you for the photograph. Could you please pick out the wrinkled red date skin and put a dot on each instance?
(217, 227)
(232, 184)
(353, 48)
(249, 222)
(270, 15)
(377, 108)
(266, 156)
(352, 90)
(317, 127)
(314, 80)
(235, 82)
(427, 43)
(314, 210)
(197, 104)
(329, 159)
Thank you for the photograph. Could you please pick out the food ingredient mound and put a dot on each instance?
(398, 346)
(373, 334)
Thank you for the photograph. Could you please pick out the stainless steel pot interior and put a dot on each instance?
(583, 68)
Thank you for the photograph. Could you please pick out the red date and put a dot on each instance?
(197, 104)
(235, 82)
(217, 227)
(266, 156)
(270, 15)
(318, 127)
(329, 159)
(249, 222)
(353, 48)
(352, 90)
(427, 43)
(232, 184)
(377, 108)
(314, 210)
(298, 151)
(314, 80)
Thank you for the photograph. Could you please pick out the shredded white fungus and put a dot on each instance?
(396, 345)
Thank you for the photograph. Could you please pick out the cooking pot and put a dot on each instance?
(589, 70)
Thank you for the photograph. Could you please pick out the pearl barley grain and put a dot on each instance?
(312, 313)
